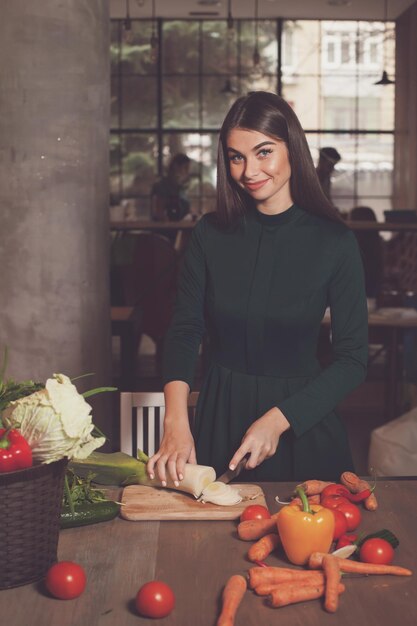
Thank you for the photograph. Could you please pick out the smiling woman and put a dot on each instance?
(258, 276)
(260, 165)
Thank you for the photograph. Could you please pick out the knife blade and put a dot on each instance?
(231, 474)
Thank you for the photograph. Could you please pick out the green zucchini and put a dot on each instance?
(89, 513)
(380, 534)
(113, 468)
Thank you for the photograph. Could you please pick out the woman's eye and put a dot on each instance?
(235, 158)
(265, 152)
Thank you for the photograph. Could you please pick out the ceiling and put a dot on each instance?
(297, 9)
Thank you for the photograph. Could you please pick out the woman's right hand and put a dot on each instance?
(176, 449)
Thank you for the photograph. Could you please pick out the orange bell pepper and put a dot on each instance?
(305, 529)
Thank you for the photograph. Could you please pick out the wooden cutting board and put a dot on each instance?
(141, 503)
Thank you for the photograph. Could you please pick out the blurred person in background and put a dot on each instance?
(371, 247)
(328, 158)
(168, 196)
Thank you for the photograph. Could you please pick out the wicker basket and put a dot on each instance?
(30, 505)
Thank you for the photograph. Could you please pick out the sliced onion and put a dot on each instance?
(221, 494)
(345, 552)
(216, 489)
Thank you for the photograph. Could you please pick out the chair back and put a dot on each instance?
(142, 420)
(400, 261)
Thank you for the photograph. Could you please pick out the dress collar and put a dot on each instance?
(279, 218)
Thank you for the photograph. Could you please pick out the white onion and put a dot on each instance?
(221, 494)
(196, 478)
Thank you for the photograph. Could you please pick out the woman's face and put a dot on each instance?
(259, 164)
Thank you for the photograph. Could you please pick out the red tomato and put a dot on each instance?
(255, 511)
(66, 580)
(155, 599)
(332, 502)
(346, 540)
(335, 489)
(340, 524)
(352, 514)
(376, 551)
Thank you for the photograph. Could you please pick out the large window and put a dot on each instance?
(325, 69)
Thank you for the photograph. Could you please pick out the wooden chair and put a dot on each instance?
(141, 420)
(400, 261)
(399, 277)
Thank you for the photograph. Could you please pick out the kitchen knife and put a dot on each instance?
(230, 474)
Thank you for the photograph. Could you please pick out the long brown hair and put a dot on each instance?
(271, 115)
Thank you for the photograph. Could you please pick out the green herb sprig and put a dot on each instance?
(80, 490)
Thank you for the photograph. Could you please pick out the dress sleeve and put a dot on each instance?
(183, 338)
(349, 323)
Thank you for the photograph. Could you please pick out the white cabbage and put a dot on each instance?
(55, 421)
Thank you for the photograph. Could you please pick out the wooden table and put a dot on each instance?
(196, 559)
(382, 226)
(152, 225)
(179, 228)
(187, 224)
(392, 323)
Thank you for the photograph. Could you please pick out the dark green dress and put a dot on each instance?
(260, 292)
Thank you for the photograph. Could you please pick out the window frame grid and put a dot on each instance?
(160, 131)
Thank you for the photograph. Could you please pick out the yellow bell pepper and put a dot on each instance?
(305, 529)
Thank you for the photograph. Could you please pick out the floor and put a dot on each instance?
(362, 411)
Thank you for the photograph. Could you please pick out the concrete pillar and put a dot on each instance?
(405, 149)
(54, 230)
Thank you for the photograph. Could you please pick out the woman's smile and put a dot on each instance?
(254, 186)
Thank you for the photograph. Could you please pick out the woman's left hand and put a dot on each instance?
(261, 439)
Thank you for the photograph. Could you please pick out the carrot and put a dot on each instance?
(267, 588)
(356, 485)
(312, 500)
(332, 572)
(356, 567)
(288, 593)
(264, 589)
(262, 548)
(315, 560)
(276, 575)
(314, 487)
(254, 529)
(232, 596)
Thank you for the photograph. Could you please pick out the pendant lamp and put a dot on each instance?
(154, 41)
(230, 35)
(127, 26)
(256, 72)
(385, 80)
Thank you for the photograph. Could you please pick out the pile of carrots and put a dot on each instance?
(283, 586)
